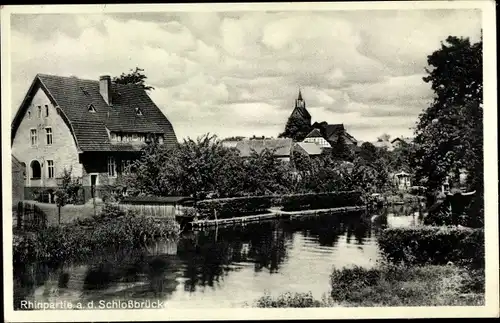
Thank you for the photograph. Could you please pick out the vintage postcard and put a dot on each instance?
(249, 161)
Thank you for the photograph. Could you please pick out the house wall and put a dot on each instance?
(62, 151)
(319, 140)
(97, 163)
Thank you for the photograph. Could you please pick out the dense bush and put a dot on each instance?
(320, 200)
(434, 245)
(397, 285)
(456, 210)
(232, 207)
(297, 300)
(84, 238)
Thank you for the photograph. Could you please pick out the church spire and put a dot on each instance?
(300, 103)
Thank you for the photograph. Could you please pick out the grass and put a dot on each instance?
(391, 285)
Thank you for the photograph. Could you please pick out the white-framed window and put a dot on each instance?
(34, 137)
(50, 169)
(48, 133)
(91, 108)
(46, 110)
(39, 111)
(113, 136)
(111, 166)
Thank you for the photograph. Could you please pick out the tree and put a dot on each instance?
(296, 128)
(68, 192)
(368, 152)
(340, 149)
(134, 77)
(194, 167)
(384, 137)
(265, 174)
(449, 133)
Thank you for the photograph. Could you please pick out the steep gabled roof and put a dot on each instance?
(283, 146)
(74, 96)
(315, 133)
(331, 131)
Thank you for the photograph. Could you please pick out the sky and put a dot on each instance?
(238, 73)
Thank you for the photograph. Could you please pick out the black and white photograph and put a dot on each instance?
(249, 161)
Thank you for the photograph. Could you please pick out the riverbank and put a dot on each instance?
(393, 285)
(84, 237)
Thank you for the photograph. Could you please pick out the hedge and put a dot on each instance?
(433, 245)
(232, 207)
(313, 201)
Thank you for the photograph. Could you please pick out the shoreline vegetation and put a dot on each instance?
(391, 285)
(83, 238)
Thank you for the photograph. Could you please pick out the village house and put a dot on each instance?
(400, 142)
(282, 148)
(93, 128)
(326, 135)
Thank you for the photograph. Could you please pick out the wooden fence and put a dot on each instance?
(30, 217)
(157, 211)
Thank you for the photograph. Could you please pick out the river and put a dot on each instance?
(223, 267)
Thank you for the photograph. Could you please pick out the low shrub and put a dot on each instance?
(297, 300)
(321, 200)
(231, 207)
(391, 285)
(433, 245)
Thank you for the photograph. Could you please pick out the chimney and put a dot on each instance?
(105, 88)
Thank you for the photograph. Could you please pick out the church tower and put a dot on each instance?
(300, 103)
(300, 109)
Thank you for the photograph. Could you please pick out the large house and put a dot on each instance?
(91, 127)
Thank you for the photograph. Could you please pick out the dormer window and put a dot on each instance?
(138, 111)
(92, 109)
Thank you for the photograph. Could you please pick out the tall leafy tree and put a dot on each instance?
(449, 133)
(296, 128)
(136, 77)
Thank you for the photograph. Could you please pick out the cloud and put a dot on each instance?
(238, 73)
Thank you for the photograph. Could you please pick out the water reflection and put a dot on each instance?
(223, 266)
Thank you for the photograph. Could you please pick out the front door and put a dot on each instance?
(93, 182)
